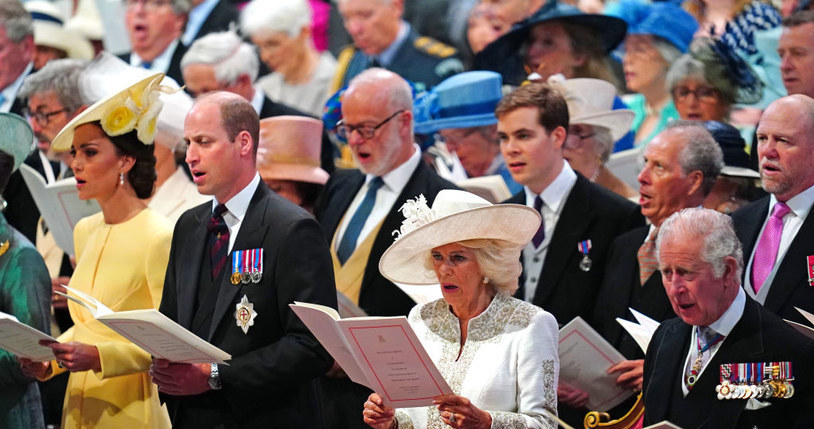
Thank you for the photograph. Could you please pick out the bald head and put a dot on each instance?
(785, 146)
(390, 87)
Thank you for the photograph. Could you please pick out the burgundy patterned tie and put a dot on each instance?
(218, 240)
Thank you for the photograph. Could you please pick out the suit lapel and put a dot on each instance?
(669, 359)
(792, 271)
(753, 221)
(340, 202)
(574, 220)
(251, 235)
(189, 277)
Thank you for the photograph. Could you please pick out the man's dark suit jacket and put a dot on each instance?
(220, 17)
(271, 108)
(759, 336)
(378, 296)
(790, 286)
(174, 69)
(622, 288)
(590, 212)
(270, 379)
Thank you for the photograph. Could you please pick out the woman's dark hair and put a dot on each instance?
(142, 176)
(308, 191)
(6, 165)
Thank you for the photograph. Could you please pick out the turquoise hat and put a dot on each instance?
(462, 101)
(16, 137)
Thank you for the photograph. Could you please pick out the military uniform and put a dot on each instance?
(421, 60)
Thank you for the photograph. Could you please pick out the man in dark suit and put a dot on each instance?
(776, 230)
(359, 210)
(224, 62)
(382, 39)
(209, 16)
(154, 30)
(270, 378)
(681, 165)
(565, 262)
(720, 338)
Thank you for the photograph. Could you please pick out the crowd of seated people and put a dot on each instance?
(529, 162)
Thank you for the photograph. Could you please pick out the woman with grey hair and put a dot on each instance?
(498, 353)
(708, 80)
(301, 77)
(653, 43)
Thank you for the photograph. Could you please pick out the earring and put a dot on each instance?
(121, 179)
(485, 280)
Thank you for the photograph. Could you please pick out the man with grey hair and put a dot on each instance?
(725, 361)
(16, 53)
(680, 167)
(359, 209)
(224, 62)
(382, 39)
(776, 230)
(154, 28)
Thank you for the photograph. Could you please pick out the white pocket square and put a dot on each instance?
(755, 404)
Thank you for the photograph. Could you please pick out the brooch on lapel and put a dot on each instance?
(755, 380)
(245, 314)
(247, 266)
(584, 248)
(810, 265)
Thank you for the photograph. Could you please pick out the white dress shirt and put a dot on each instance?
(553, 197)
(394, 183)
(161, 63)
(800, 206)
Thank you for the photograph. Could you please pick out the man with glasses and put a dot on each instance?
(360, 209)
(154, 28)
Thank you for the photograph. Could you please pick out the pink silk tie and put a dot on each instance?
(766, 251)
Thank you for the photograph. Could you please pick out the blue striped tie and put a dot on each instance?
(357, 222)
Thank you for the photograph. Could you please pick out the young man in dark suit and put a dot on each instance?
(359, 209)
(565, 262)
(777, 230)
(700, 367)
(275, 359)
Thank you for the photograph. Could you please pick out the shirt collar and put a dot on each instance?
(239, 204)
(10, 92)
(799, 204)
(161, 63)
(397, 178)
(731, 316)
(195, 20)
(386, 56)
(258, 99)
(554, 194)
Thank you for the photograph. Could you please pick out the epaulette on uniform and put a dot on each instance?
(433, 47)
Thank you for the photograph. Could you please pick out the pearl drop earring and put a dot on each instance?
(485, 280)
(121, 179)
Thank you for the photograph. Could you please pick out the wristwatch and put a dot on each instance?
(214, 377)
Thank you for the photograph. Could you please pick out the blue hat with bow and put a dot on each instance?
(666, 20)
(462, 101)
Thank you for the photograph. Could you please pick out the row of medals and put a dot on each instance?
(775, 387)
(245, 278)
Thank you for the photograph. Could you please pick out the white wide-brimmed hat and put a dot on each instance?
(50, 31)
(16, 137)
(134, 108)
(590, 102)
(290, 148)
(455, 216)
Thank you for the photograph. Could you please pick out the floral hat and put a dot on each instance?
(134, 108)
(455, 216)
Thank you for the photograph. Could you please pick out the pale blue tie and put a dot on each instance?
(357, 222)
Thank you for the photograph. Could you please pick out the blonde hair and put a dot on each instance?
(498, 260)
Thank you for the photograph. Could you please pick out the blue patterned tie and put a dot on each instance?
(357, 222)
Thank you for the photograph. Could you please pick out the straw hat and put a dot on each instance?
(462, 101)
(49, 30)
(455, 216)
(16, 137)
(590, 102)
(134, 108)
(290, 148)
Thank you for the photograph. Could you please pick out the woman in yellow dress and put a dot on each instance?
(121, 256)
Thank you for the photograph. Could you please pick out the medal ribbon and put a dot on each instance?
(584, 247)
(235, 261)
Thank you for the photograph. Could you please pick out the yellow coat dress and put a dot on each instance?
(122, 266)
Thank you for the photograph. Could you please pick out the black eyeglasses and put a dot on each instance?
(365, 131)
(42, 118)
(150, 5)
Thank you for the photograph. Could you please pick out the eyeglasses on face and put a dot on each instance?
(150, 5)
(42, 118)
(365, 131)
(705, 94)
